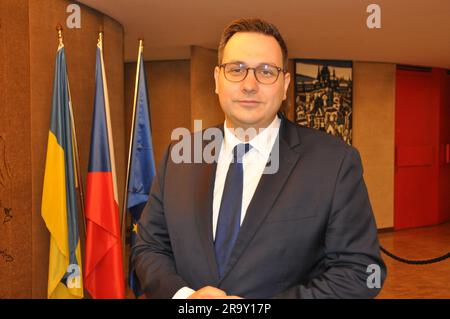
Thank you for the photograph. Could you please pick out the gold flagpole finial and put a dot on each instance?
(100, 36)
(141, 43)
(59, 28)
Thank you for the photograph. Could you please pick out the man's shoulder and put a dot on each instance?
(311, 137)
(322, 150)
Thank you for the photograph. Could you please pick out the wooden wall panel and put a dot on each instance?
(373, 133)
(204, 101)
(15, 152)
(27, 57)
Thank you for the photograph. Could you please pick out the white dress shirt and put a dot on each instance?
(253, 163)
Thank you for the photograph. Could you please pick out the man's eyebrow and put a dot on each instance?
(235, 61)
(242, 62)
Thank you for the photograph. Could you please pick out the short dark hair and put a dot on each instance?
(252, 25)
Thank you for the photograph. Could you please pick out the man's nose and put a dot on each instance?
(250, 84)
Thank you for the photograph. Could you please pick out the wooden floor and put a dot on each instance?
(411, 281)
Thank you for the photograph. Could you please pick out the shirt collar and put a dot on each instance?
(262, 142)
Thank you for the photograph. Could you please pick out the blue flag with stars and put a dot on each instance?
(142, 169)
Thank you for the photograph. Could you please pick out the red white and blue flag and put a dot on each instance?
(104, 277)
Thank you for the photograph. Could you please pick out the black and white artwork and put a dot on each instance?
(323, 96)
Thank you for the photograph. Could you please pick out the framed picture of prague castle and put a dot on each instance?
(323, 96)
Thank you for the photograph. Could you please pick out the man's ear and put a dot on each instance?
(216, 78)
(287, 80)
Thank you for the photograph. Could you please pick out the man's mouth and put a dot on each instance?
(248, 102)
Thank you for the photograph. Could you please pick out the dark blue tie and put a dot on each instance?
(229, 220)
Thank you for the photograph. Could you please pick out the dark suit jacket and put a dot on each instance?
(309, 231)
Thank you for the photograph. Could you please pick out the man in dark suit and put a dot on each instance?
(282, 212)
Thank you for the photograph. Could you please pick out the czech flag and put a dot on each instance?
(104, 276)
(59, 202)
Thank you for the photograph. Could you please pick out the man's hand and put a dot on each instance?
(208, 292)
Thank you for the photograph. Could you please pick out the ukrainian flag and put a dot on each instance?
(59, 203)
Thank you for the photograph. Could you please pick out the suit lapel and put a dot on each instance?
(203, 207)
(267, 191)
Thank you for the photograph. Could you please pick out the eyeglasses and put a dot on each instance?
(264, 73)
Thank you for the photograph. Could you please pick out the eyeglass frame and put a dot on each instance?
(280, 70)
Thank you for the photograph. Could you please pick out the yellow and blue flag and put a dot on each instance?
(59, 202)
(142, 168)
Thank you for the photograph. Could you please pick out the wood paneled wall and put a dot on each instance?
(26, 79)
(374, 135)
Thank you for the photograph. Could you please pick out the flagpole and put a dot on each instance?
(78, 177)
(74, 136)
(77, 163)
(133, 119)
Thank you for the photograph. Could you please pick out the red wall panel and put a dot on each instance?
(422, 129)
(444, 141)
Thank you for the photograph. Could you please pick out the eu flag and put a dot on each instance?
(142, 168)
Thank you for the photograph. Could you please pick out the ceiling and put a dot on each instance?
(415, 32)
